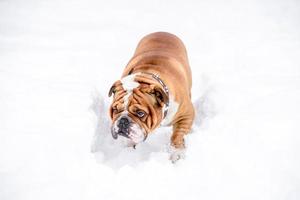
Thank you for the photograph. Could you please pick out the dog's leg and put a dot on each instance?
(180, 129)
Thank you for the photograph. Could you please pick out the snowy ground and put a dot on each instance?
(58, 59)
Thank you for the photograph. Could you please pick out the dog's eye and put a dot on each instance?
(140, 113)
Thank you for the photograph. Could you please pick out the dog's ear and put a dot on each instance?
(157, 92)
(160, 95)
(113, 90)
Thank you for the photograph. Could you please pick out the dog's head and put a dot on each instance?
(138, 106)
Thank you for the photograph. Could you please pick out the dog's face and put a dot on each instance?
(137, 107)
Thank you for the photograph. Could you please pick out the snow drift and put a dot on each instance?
(58, 59)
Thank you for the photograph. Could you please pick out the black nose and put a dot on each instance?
(123, 123)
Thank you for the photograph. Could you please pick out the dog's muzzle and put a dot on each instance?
(125, 127)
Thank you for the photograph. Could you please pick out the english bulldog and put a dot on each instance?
(154, 90)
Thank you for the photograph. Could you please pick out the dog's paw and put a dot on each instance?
(176, 154)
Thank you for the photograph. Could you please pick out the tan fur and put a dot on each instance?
(164, 54)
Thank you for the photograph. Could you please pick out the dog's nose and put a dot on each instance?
(123, 123)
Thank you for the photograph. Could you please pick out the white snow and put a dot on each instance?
(58, 60)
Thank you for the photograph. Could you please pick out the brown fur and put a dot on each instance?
(164, 54)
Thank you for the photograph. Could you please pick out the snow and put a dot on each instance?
(58, 60)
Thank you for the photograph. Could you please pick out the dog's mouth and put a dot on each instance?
(125, 127)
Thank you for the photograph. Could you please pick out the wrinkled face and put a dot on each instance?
(137, 107)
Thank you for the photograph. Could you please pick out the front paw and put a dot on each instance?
(176, 154)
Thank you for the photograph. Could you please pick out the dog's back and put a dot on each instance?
(165, 42)
(165, 49)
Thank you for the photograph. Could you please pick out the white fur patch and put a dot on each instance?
(136, 134)
(129, 84)
(173, 108)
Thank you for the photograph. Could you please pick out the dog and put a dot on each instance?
(154, 90)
